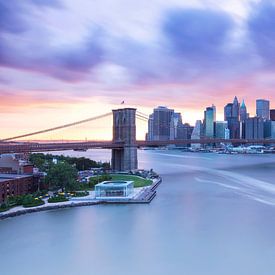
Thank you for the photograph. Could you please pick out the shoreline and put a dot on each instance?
(145, 195)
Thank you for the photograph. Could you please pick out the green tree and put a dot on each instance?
(61, 176)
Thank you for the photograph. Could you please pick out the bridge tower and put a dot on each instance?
(124, 130)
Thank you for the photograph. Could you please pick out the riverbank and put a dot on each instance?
(140, 195)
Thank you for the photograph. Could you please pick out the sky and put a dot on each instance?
(67, 60)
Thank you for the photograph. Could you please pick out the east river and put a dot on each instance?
(213, 215)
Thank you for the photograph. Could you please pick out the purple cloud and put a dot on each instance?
(261, 27)
(197, 34)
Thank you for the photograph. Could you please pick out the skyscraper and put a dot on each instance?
(243, 112)
(272, 114)
(273, 129)
(262, 108)
(232, 116)
(228, 111)
(175, 124)
(162, 123)
(254, 128)
(197, 133)
(236, 108)
(243, 117)
(209, 119)
(150, 135)
(220, 129)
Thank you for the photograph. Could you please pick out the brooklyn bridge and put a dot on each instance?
(124, 144)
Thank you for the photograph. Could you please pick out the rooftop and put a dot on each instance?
(115, 183)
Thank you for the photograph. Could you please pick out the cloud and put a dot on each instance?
(190, 49)
(11, 18)
(197, 34)
(69, 62)
(261, 30)
(14, 13)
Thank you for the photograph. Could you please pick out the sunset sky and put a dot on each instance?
(66, 60)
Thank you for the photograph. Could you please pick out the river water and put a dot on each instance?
(213, 215)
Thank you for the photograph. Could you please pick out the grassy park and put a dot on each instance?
(138, 181)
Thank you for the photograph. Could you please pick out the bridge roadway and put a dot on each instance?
(24, 147)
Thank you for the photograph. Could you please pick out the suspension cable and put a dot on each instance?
(142, 114)
(58, 127)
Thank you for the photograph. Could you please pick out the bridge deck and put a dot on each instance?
(60, 146)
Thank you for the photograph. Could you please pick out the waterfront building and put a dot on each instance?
(228, 111)
(184, 131)
(232, 116)
(209, 119)
(197, 134)
(236, 108)
(220, 129)
(272, 114)
(227, 133)
(162, 118)
(114, 189)
(243, 112)
(15, 185)
(150, 135)
(273, 129)
(254, 128)
(175, 124)
(263, 109)
(267, 128)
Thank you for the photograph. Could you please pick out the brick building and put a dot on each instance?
(15, 185)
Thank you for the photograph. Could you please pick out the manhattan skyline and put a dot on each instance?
(64, 61)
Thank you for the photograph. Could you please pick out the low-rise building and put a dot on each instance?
(15, 164)
(15, 185)
(114, 189)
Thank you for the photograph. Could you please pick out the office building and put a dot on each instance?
(209, 119)
(175, 124)
(263, 109)
(272, 114)
(184, 131)
(273, 129)
(267, 128)
(227, 133)
(243, 112)
(232, 116)
(254, 128)
(162, 119)
(220, 128)
(236, 108)
(228, 111)
(149, 135)
(197, 134)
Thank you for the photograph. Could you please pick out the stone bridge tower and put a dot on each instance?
(124, 130)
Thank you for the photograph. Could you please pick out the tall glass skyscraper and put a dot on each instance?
(209, 119)
(262, 108)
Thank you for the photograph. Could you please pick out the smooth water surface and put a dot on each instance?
(213, 215)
